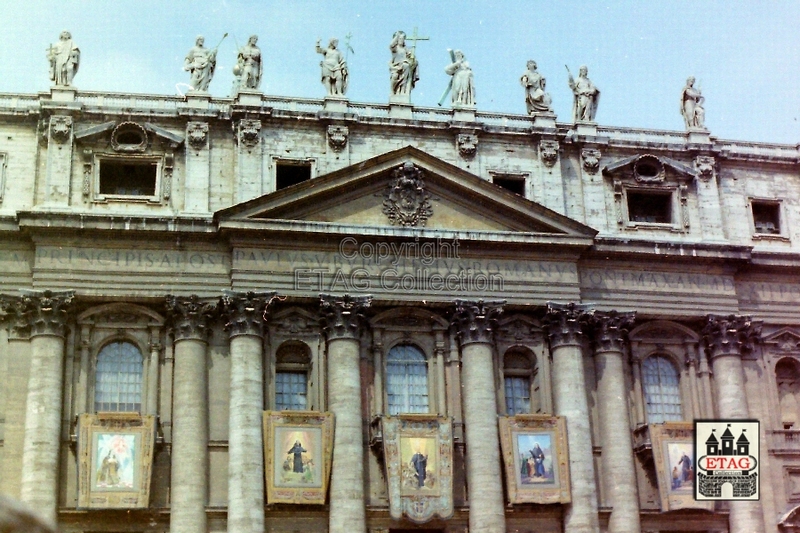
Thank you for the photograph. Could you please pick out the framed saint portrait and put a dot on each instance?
(675, 462)
(535, 458)
(418, 452)
(298, 447)
(115, 453)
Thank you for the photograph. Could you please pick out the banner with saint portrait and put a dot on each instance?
(674, 458)
(298, 448)
(418, 449)
(115, 458)
(536, 458)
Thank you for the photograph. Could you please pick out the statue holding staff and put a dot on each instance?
(586, 96)
(64, 58)
(334, 68)
(462, 82)
(200, 62)
(404, 67)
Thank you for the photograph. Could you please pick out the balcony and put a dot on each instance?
(784, 441)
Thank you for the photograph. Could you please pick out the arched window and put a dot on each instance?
(118, 378)
(787, 377)
(661, 389)
(407, 380)
(518, 373)
(292, 363)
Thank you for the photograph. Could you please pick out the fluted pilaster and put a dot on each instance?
(565, 326)
(342, 319)
(475, 322)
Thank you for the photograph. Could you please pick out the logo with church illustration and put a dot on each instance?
(727, 464)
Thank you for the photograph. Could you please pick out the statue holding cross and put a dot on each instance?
(404, 67)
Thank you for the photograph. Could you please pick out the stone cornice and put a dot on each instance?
(476, 321)
(342, 317)
(190, 316)
(245, 312)
(730, 335)
(566, 324)
(610, 330)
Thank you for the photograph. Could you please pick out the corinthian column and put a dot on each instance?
(46, 313)
(342, 321)
(619, 474)
(564, 325)
(475, 323)
(245, 318)
(189, 491)
(726, 338)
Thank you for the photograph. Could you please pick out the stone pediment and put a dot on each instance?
(406, 188)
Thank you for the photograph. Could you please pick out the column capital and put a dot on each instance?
(245, 312)
(565, 323)
(476, 320)
(12, 313)
(610, 330)
(730, 335)
(342, 317)
(189, 316)
(46, 311)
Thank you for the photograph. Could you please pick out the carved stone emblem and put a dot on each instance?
(249, 132)
(548, 151)
(649, 169)
(337, 137)
(60, 128)
(467, 144)
(407, 203)
(705, 166)
(129, 137)
(591, 160)
(197, 134)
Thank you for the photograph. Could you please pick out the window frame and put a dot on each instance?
(782, 234)
(155, 198)
(428, 377)
(535, 403)
(279, 366)
(676, 206)
(679, 387)
(310, 162)
(142, 384)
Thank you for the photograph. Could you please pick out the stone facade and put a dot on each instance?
(588, 264)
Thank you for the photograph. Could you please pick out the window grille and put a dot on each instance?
(661, 390)
(291, 391)
(407, 380)
(118, 379)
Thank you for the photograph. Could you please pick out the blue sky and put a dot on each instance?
(745, 55)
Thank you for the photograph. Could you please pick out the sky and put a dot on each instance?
(744, 54)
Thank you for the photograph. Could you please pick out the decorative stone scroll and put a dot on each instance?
(730, 335)
(298, 450)
(190, 316)
(245, 312)
(418, 449)
(477, 320)
(337, 136)
(671, 440)
(536, 458)
(548, 152)
(197, 134)
(704, 165)
(591, 160)
(467, 144)
(342, 317)
(406, 202)
(60, 128)
(249, 133)
(115, 459)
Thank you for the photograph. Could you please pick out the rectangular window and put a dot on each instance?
(291, 391)
(291, 173)
(128, 178)
(518, 395)
(650, 206)
(512, 184)
(766, 217)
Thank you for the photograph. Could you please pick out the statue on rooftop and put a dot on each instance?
(586, 96)
(200, 62)
(64, 58)
(334, 68)
(248, 68)
(462, 83)
(536, 100)
(692, 106)
(403, 68)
